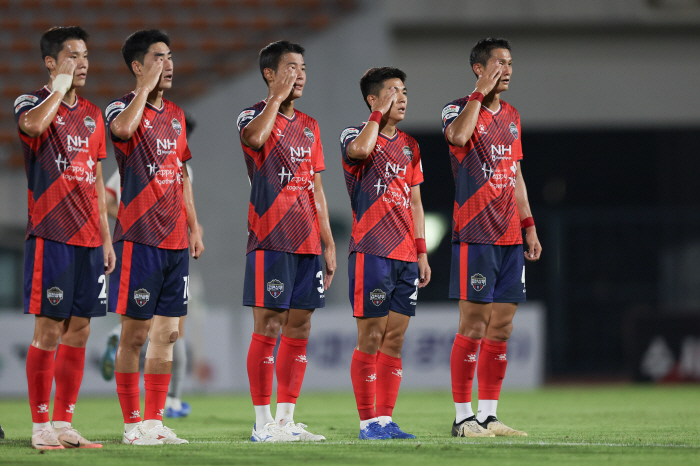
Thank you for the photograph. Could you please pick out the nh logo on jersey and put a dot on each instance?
(309, 134)
(478, 281)
(300, 152)
(166, 144)
(76, 141)
(408, 152)
(377, 297)
(395, 169)
(90, 124)
(55, 295)
(176, 126)
(499, 150)
(513, 129)
(141, 296)
(275, 287)
(43, 408)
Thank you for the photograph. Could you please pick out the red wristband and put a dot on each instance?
(528, 222)
(375, 117)
(476, 96)
(420, 246)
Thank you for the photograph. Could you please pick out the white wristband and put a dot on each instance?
(62, 83)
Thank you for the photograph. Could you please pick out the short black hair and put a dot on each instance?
(52, 40)
(271, 54)
(372, 81)
(137, 44)
(481, 52)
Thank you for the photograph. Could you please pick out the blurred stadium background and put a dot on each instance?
(607, 92)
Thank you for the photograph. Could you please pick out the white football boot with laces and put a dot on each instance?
(470, 428)
(167, 435)
(139, 435)
(45, 439)
(71, 438)
(499, 429)
(299, 430)
(272, 433)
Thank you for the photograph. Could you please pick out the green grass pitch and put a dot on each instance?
(614, 425)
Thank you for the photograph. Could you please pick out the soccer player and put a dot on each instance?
(491, 207)
(68, 247)
(150, 283)
(287, 219)
(388, 260)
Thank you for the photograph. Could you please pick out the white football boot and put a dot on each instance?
(470, 428)
(272, 433)
(299, 430)
(499, 429)
(139, 435)
(167, 435)
(45, 439)
(71, 438)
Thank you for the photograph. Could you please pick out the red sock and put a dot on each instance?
(156, 392)
(128, 391)
(491, 369)
(363, 372)
(40, 368)
(290, 367)
(261, 368)
(462, 365)
(70, 362)
(389, 374)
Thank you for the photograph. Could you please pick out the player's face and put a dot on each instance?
(397, 112)
(294, 62)
(75, 50)
(155, 52)
(502, 58)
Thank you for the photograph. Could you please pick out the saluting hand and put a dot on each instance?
(383, 103)
(153, 76)
(282, 85)
(63, 81)
(489, 78)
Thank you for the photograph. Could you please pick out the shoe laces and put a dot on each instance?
(165, 430)
(47, 433)
(471, 425)
(375, 428)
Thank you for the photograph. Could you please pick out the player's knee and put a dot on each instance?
(500, 333)
(48, 338)
(394, 341)
(136, 338)
(475, 329)
(163, 334)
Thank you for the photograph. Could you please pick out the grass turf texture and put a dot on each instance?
(572, 425)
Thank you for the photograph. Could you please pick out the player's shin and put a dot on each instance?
(290, 368)
(363, 372)
(159, 358)
(490, 372)
(462, 366)
(389, 374)
(260, 365)
(70, 363)
(40, 372)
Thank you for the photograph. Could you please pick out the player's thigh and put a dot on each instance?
(269, 279)
(76, 331)
(134, 330)
(298, 322)
(370, 333)
(48, 278)
(474, 272)
(405, 295)
(474, 318)
(307, 291)
(90, 292)
(501, 323)
(172, 297)
(135, 284)
(510, 283)
(372, 283)
(396, 326)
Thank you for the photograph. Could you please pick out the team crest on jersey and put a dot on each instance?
(275, 287)
(309, 134)
(408, 152)
(377, 297)
(176, 126)
(141, 296)
(478, 281)
(513, 129)
(90, 124)
(55, 295)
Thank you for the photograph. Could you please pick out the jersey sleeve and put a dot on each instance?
(102, 149)
(449, 113)
(186, 153)
(417, 166)
(113, 110)
(24, 103)
(346, 137)
(318, 161)
(518, 141)
(245, 117)
(112, 185)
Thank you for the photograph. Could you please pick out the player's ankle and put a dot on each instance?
(151, 423)
(60, 424)
(40, 425)
(384, 420)
(365, 423)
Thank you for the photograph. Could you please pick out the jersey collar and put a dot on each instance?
(71, 107)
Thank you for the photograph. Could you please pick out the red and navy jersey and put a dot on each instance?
(380, 194)
(484, 170)
(151, 208)
(61, 167)
(282, 211)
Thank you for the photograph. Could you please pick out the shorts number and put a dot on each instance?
(523, 279)
(103, 293)
(319, 275)
(414, 296)
(186, 279)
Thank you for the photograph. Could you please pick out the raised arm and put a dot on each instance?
(108, 250)
(326, 234)
(533, 243)
(364, 143)
(196, 244)
(127, 122)
(461, 129)
(419, 233)
(255, 134)
(34, 122)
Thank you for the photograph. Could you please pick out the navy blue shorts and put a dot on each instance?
(487, 273)
(283, 280)
(149, 281)
(62, 280)
(379, 285)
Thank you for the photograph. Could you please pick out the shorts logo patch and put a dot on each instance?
(377, 297)
(513, 129)
(141, 296)
(55, 295)
(90, 124)
(176, 126)
(408, 152)
(309, 134)
(275, 287)
(478, 281)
